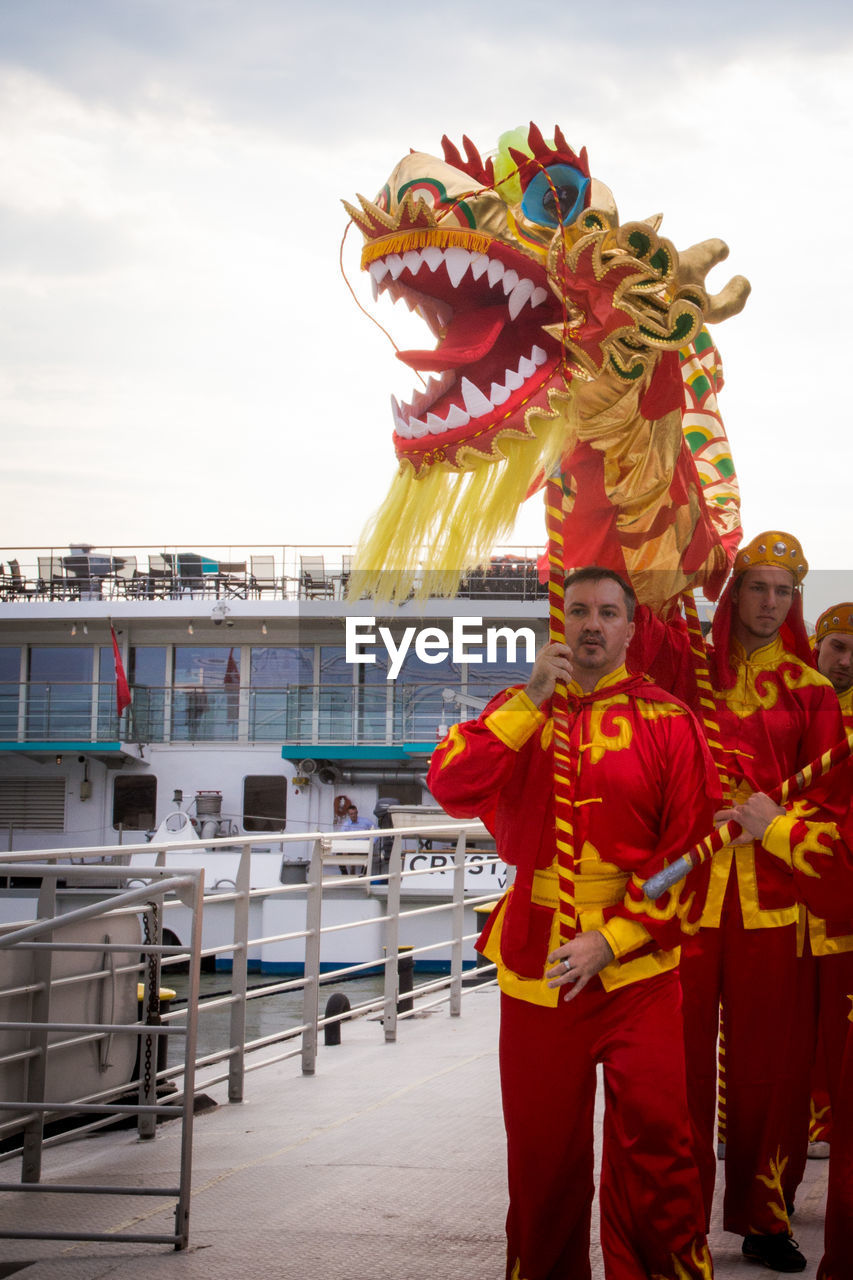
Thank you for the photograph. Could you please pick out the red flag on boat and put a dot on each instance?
(122, 688)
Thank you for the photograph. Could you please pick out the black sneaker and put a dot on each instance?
(777, 1252)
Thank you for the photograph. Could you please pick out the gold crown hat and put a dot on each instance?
(775, 550)
(838, 618)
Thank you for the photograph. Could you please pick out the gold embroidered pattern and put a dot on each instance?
(452, 746)
(773, 1180)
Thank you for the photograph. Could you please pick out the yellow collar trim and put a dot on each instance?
(621, 673)
(772, 650)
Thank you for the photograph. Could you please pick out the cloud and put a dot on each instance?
(169, 238)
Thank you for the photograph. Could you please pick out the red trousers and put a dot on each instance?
(837, 1261)
(753, 972)
(651, 1204)
(822, 1009)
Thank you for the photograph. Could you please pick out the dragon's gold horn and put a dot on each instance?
(693, 266)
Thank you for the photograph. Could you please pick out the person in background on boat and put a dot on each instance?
(352, 822)
(606, 991)
(817, 855)
(775, 713)
(829, 980)
(340, 808)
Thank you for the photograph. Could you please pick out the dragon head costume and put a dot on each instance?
(571, 348)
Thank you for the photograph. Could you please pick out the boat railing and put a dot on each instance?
(381, 714)
(377, 877)
(85, 573)
(59, 1012)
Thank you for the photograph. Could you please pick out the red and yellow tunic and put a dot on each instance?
(779, 715)
(835, 936)
(642, 792)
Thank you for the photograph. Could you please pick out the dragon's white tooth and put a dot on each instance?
(374, 289)
(538, 296)
(498, 394)
(401, 426)
(417, 428)
(420, 400)
(475, 402)
(457, 262)
(457, 417)
(526, 367)
(496, 270)
(433, 257)
(538, 356)
(412, 260)
(395, 265)
(479, 264)
(426, 310)
(513, 380)
(435, 425)
(394, 291)
(443, 314)
(510, 280)
(378, 270)
(519, 296)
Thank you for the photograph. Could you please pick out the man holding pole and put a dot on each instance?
(819, 860)
(774, 714)
(587, 966)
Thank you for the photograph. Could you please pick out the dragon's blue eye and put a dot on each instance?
(556, 196)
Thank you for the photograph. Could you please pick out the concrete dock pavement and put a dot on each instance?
(387, 1164)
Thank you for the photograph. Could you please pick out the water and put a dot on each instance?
(264, 1015)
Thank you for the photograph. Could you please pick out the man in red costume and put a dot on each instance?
(827, 944)
(774, 714)
(635, 794)
(819, 859)
(832, 941)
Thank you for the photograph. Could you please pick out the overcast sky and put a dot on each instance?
(180, 359)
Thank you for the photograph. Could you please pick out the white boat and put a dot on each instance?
(261, 702)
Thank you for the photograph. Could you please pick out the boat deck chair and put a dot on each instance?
(19, 584)
(262, 574)
(51, 579)
(313, 581)
(125, 576)
(160, 577)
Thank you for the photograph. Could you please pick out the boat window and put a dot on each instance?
(147, 665)
(10, 688)
(134, 803)
(277, 666)
(206, 705)
(71, 663)
(59, 693)
(147, 679)
(264, 802)
(418, 701)
(485, 679)
(282, 688)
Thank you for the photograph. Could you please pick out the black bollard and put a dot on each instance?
(405, 979)
(337, 1003)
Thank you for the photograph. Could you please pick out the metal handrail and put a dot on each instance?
(41, 1026)
(240, 1055)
